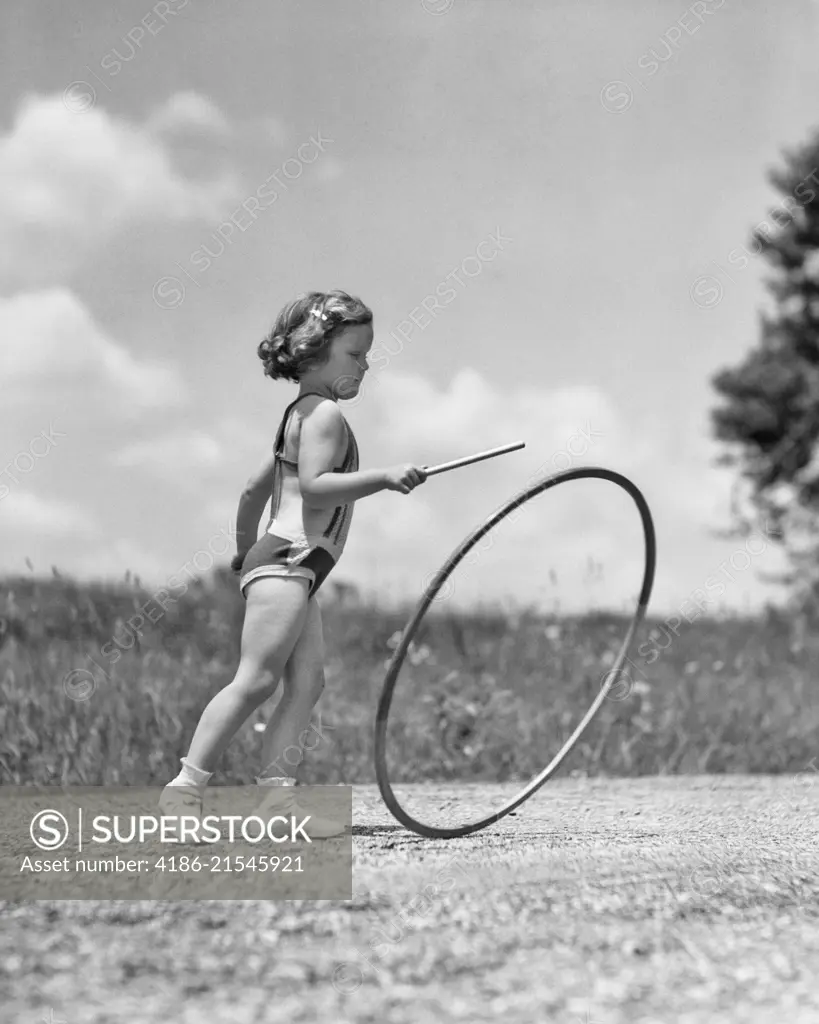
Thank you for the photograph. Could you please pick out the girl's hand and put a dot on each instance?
(236, 562)
(404, 478)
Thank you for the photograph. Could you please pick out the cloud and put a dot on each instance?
(188, 110)
(174, 456)
(24, 512)
(51, 344)
(410, 418)
(191, 455)
(69, 181)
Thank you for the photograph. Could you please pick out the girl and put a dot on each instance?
(321, 342)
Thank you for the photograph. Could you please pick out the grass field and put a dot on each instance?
(88, 698)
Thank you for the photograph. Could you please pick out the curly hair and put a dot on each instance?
(304, 329)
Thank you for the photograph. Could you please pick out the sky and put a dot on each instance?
(563, 187)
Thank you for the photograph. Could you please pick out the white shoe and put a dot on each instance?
(282, 800)
(182, 802)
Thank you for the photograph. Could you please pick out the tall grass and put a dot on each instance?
(485, 696)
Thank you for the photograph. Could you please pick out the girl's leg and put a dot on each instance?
(275, 615)
(283, 744)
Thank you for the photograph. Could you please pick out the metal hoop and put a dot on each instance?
(430, 831)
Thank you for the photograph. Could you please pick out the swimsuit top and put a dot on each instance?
(326, 527)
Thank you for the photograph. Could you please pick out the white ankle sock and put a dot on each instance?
(190, 776)
(273, 780)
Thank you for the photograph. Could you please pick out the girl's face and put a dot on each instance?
(345, 369)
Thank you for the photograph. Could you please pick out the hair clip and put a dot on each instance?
(318, 312)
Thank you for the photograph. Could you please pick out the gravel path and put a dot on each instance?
(681, 900)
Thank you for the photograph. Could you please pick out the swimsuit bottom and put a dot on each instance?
(276, 556)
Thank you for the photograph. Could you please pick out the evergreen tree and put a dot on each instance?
(769, 416)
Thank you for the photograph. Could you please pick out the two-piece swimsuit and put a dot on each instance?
(300, 541)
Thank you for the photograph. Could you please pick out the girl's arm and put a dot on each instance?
(323, 437)
(254, 497)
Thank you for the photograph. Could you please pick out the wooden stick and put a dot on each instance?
(469, 459)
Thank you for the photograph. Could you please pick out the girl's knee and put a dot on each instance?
(258, 682)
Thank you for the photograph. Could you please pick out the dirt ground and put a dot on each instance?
(673, 900)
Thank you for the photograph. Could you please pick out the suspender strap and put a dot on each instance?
(278, 448)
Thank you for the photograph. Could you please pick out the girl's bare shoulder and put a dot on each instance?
(322, 415)
(324, 408)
